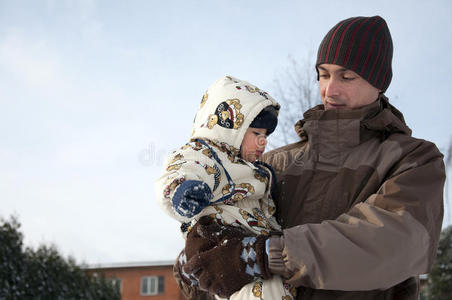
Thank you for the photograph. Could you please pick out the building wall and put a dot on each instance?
(131, 281)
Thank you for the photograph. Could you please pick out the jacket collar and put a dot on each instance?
(343, 129)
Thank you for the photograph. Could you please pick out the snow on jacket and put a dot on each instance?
(361, 204)
(208, 172)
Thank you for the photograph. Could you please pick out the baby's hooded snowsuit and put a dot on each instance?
(207, 176)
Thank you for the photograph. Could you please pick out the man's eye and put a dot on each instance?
(323, 75)
(348, 77)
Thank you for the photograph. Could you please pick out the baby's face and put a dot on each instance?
(253, 143)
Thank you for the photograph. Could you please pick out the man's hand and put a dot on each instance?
(225, 258)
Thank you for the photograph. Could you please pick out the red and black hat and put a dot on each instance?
(363, 45)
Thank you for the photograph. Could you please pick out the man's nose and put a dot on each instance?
(332, 87)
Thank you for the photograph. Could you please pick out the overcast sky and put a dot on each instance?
(94, 94)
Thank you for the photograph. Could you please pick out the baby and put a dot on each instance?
(217, 173)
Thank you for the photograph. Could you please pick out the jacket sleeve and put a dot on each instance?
(391, 236)
(187, 184)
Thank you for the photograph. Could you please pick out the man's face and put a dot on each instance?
(341, 88)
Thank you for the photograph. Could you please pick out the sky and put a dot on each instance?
(94, 95)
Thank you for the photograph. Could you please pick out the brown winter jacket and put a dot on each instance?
(361, 202)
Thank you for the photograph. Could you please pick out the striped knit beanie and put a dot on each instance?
(360, 44)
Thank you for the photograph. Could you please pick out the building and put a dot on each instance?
(143, 280)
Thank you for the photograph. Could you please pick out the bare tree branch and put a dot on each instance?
(296, 90)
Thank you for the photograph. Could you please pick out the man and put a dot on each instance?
(360, 200)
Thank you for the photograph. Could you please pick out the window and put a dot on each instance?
(152, 285)
(117, 283)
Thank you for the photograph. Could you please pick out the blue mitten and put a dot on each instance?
(191, 197)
